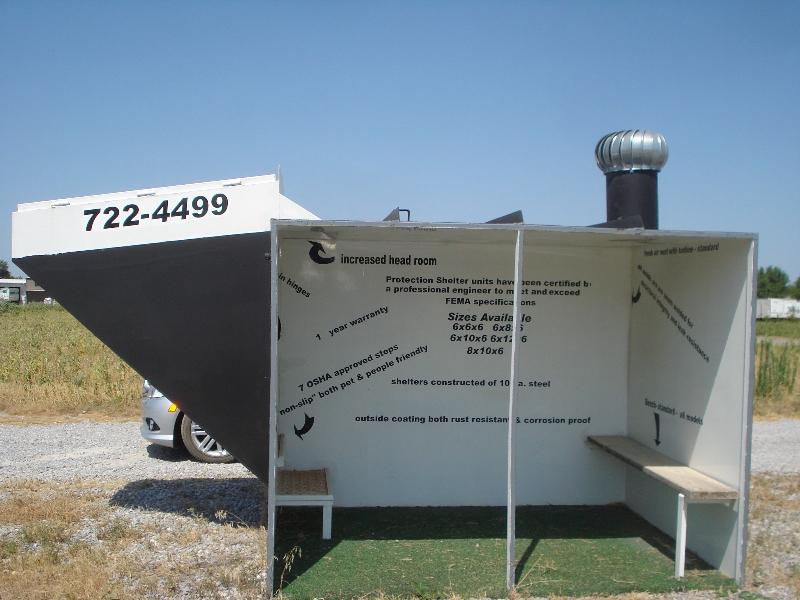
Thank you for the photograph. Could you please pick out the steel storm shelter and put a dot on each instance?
(430, 364)
(397, 342)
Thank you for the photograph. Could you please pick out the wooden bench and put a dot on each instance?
(304, 488)
(692, 486)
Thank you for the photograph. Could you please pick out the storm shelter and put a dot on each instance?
(394, 345)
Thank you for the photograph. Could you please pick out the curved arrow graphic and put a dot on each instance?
(638, 295)
(316, 248)
(306, 427)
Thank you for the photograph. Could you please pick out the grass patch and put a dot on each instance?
(460, 552)
(51, 365)
(777, 389)
(8, 548)
(40, 558)
(783, 328)
(777, 368)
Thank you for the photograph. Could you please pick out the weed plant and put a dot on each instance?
(776, 387)
(777, 368)
(50, 364)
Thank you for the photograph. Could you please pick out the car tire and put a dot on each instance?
(201, 445)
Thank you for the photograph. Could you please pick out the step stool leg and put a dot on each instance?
(680, 538)
(327, 517)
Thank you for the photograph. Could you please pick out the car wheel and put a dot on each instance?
(201, 445)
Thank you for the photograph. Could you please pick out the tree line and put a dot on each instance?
(773, 282)
(4, 272)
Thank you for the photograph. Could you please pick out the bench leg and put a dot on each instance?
(680, 538)
(327, 517)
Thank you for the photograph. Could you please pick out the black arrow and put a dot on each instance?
(316, 248)
(306, 427)
(658, 428)
(638, 295)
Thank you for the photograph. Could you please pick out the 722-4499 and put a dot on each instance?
(200, 206)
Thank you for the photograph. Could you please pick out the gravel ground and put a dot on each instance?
(116, 451)
(97, 450)
(776, 447)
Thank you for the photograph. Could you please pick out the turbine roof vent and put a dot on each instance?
(632, 150)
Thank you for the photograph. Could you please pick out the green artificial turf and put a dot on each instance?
(443, 552)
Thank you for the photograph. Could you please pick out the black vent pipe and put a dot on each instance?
(631, 161)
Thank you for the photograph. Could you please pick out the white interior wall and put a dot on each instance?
(712, 290)
(577, 343)
(581, 348)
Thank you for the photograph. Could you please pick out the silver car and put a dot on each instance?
(163, 423)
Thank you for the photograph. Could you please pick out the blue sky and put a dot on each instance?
(459, 111)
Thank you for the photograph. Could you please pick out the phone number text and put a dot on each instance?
(200, 207)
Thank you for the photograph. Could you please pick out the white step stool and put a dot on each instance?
(304, 488)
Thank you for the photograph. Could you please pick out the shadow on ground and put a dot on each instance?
(172, 455)
(241, 498)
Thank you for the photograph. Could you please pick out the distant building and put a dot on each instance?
(21, 291)
(778, 308)
(13, 290)
(34, 292)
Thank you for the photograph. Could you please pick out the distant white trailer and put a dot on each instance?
(778, 308)
(9, 294)
(12, 290)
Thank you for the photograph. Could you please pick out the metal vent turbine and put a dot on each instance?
(631, 161)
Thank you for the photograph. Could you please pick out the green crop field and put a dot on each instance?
(782, 328)
(51, 365)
